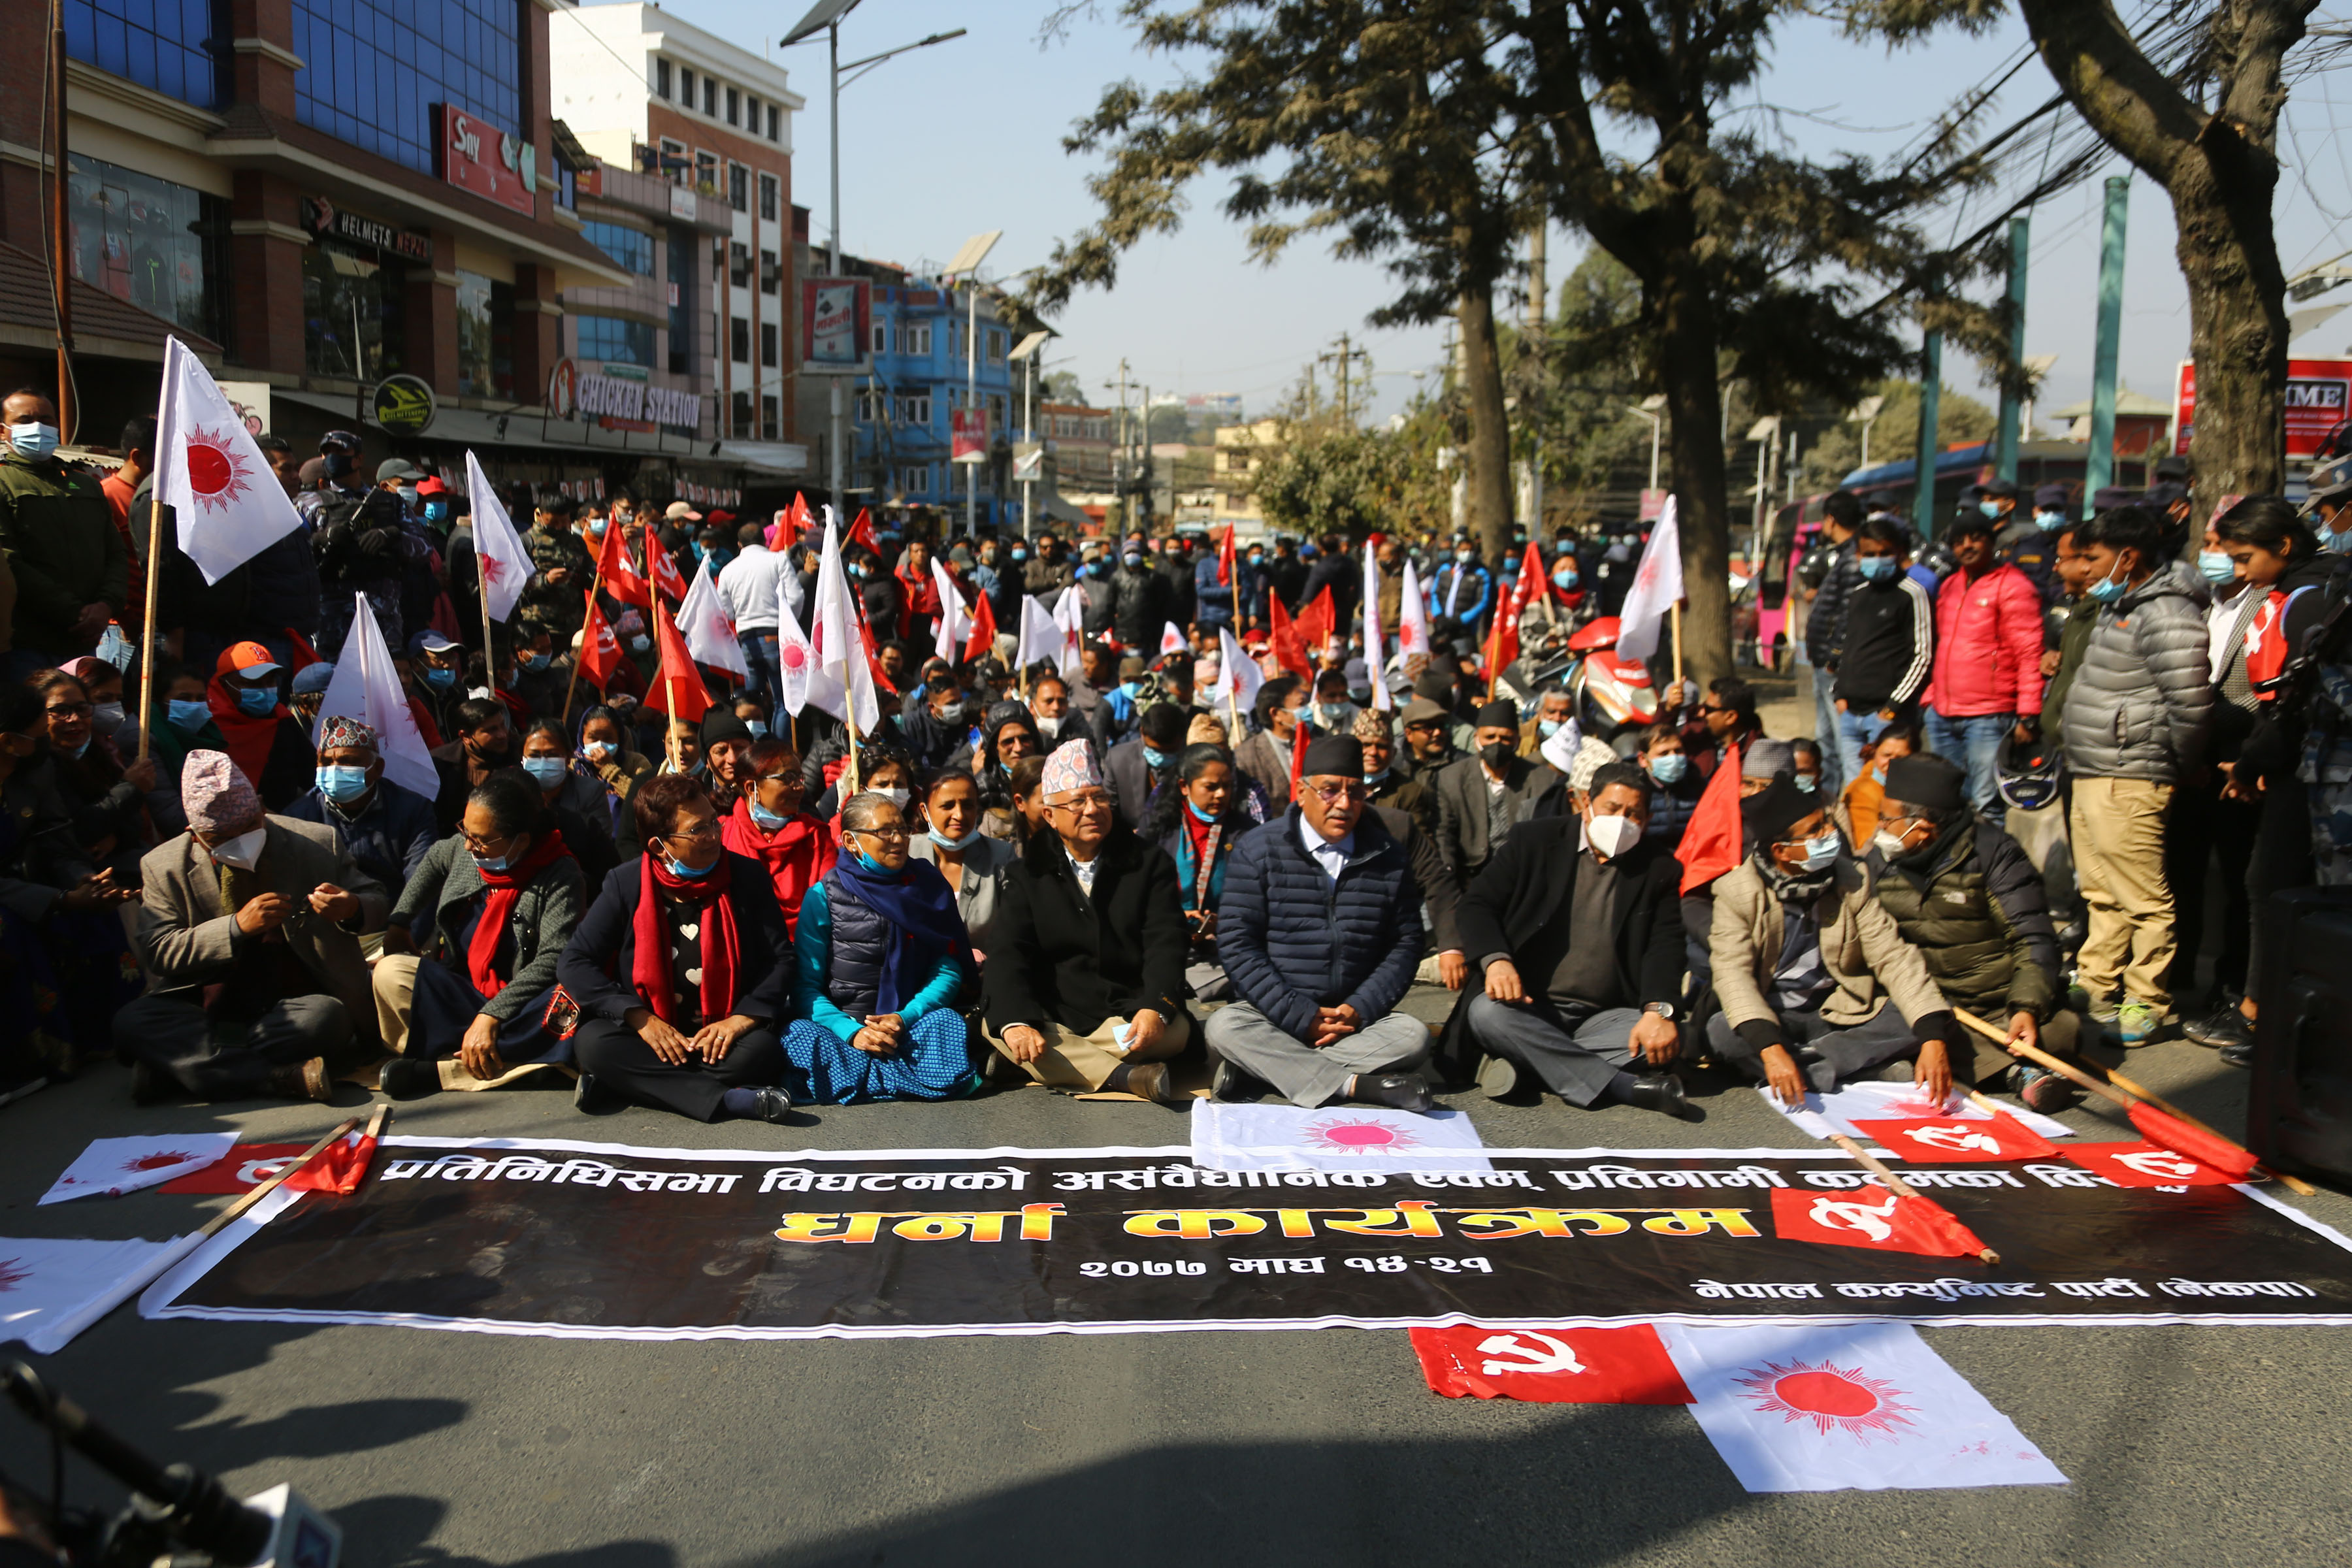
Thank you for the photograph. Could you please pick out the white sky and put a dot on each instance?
(966, 136)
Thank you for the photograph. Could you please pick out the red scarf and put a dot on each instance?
(246, 739)
(506, 887)
(796, 855)
(650, 972)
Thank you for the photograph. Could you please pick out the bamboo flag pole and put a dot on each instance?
(669, 693)
(1894, 1183)
(147, 625)
(230, 1214)
(1674, 617)
(2119, 1091)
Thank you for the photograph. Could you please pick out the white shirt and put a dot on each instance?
(752, 587)
(1330, 856)
(2220, 620)
(1085, 871)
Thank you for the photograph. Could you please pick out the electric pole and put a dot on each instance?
(1347, 354)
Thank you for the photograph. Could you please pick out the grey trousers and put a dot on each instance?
(1306, 1075)
(1827, 1054)
(215, 1059)
(1575, 1063)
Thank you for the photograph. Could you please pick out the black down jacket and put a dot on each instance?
(1292, 939)
(1973, 905)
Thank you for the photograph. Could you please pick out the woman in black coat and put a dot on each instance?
(682, 971)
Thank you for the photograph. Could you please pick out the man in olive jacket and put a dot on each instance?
(71, 568)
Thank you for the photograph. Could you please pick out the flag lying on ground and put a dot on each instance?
(113, 1166)
(498, 554)
(228, 505)
(1950, 1138)
(1552, 1366)
(337, 1168)
(1657, 588)
(1333, 1138)
(1872, 1217)
(708, 629)
(1845, 1110)
(247, 1167)
(1840, 1407)
(52, 1291)
(2139, 1165)
(366, 688)
(2159, 1126)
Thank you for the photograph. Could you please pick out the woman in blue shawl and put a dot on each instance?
(884, 960)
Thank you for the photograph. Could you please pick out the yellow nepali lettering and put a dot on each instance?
(1037, 1221)
(855, 1229)
(1193, 1224)
(1413, 1214)
(1698, 1222)
(1296, 1222)
(1502, 1224)
(976, 1226)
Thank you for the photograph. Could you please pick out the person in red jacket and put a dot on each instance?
(1987, 677)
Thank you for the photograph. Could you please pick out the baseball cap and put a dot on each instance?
(312, 678)
(2054, 496)
(249, 660)
(339, 441)
(431, 485)
(678, 509)
(429, 641)
(2330, 492)
(397, 468)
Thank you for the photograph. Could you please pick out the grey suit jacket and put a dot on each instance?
(1461, 791)
(186, 941)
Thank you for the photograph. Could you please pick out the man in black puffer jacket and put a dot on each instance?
(1319, 931)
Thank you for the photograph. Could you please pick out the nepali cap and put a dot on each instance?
(343, 732)
(214, 794)
(1072, 767)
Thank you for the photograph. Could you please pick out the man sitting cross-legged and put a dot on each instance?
(1577, 927)
(1321, 934)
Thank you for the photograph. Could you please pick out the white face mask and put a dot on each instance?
(896, 797)
(241, 852)
(1890, 845)
(1611, 836)
(1049, 728)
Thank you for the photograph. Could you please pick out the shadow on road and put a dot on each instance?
(391, 1531)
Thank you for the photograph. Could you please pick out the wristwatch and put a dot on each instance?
(1663, 1009)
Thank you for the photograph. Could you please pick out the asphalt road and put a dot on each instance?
(2202, 1445)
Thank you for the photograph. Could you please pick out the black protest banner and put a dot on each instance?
(614, 1242)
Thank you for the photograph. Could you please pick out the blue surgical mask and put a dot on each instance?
(2110, 588)
(33, 439)
(2335, 544)
(1821, 853)
(1132, 559)
(2049, 521)
(189, 717)
(1808, 782)
(1198, 813)
(1130, 690)
(678, 867)
(260, 701)
(865, 863)
(342, 786)
(1374, 781)
(1670, 768)
(1019, 554)
(954, 846)
(1876, 568)
(440, 679)
(759, 728)
(639, 644)
(766, 821)
(1564, 579)
(1988, 508)
(1878, 773)
(2216, 565)
(599, 750)
(538, 660)
(408, 494)
(436, 510)
(548, 771)
(1154, 758)
(490, 862)
(1255, 559)
(1547, 728)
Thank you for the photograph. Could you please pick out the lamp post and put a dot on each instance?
(966, 265)
(1648, 409)
(825, 17)
(1029, 351)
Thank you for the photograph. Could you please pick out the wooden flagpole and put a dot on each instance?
(1674, 617)
(147, 625)
(669, 690)
(228, 1216)
(1894, 1183)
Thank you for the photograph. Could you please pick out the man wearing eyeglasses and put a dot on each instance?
(1321, 934)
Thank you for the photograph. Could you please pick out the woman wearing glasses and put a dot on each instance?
(770, 825)
(107, 796)
(884, 960)
(680, 971)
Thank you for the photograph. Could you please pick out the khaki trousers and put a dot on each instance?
(2117, 827)
(1078, 1064)
(394, 981)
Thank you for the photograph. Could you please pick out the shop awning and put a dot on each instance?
(530, 430)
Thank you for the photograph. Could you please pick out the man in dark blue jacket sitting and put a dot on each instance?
(1321, 934)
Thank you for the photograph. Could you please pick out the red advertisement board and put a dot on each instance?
(836, 320)
(2319, 399)
(475, 155)
(967, 438)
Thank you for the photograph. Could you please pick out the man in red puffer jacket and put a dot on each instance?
(1988, 676)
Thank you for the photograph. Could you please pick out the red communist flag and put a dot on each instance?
(1503, 640)
(677, 686)
(874, 662)
(1297, 752)
(599, 650)
(1554, 1366)
(663, 571)
(337, 1168)
(1712, 842)
(1872, 1217)
(2146, 1165)
(862, 532)
(983, 641)
(1289, 648)
(1225, 562)
(1997, 1137)
(619, 574)
(1315, 622)
(2206, 1148)
(253, 1164)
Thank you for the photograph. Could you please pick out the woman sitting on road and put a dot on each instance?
(769, 825)
(1198, 823)
(969, 860)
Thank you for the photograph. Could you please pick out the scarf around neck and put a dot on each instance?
(650, 971)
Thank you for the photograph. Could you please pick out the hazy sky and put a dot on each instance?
(967, 136)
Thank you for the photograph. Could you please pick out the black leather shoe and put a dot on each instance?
(2223, 1027)
(1153, 1081)
(2240, 1055)
(1661, 1092)
(1230, 1086)
(592, 1098)
(775, 1105)
(1499, 1077)
(303, 1080)
(1397, 1090)
(410, 1078)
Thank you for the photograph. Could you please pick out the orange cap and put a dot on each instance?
(249, 660)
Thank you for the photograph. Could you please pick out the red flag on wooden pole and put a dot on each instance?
(677, 680)
(618, 574)
(1289, 649)
(983, 641)
(1711, 843)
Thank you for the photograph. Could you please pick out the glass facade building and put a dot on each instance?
(177, 48)
(611, 338)
(162, 246)
(375, 67)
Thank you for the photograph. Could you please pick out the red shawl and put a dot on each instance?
(246, 739)
(506, 887)
(650, 972)
(796, 855)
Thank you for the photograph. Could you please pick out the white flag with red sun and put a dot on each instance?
(1836, 1406)
(1333, 1138)
(498, 549)
(212, 475)
(113, 1166)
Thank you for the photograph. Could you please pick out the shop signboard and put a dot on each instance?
(836, 313)
(475, 155)
(2318, 400)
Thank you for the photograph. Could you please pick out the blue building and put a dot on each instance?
(903, 412)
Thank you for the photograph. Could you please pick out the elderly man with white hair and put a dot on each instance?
(249, 931)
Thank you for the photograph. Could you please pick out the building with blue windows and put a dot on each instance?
(903, 410)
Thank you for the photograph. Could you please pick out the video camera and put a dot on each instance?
(176, 1514)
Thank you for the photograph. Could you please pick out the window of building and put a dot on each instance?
(996, 345)
(631, 247)
(611, 338)
(881, 338)
(734, 106)
(767, 185)
(485, 336)
(706, 172)
(915, 408)
(354, 312)
(681, 302)
(915, 480)
(661, 78)
(739, 187)
(675, 166)
(915, 338)
(768, 345)
(996, 411)
(771, 419)
(166, 47)
(710, 98)
(738, 266)
(772, 134)
(770, 272)
(376, 67)
(740, 340)
(686, 87)
(866, 408)
(740, 412)
(158, 245)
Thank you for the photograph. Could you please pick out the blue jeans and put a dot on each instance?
(1974, 742)
(1834, 771)
(1855, 731)
(766, 679)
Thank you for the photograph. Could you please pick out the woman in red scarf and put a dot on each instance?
(769, 825)
(919, 614)
(470, 954)
(261, 736)
(682, 971)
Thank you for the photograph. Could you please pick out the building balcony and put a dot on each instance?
(651, 196)
(643, 299)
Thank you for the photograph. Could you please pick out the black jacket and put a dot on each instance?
(602, 955)
(1071, 959)
(1140, 604)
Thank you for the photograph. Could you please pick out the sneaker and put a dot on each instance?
(2223, 1027)
(1499, 1077)
(2039, 1090)
(2137, 1024)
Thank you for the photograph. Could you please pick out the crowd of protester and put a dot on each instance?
(2033, 738)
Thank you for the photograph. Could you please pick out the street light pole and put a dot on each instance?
(972, 403)
(834, 458)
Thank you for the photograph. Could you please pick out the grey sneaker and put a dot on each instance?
(2137, 1024)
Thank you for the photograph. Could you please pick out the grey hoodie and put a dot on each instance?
(2142, 702)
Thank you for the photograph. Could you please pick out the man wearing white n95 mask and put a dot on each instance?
(1578, 930)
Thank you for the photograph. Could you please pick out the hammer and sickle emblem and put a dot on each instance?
(1547, 1355)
